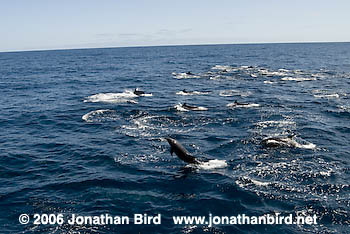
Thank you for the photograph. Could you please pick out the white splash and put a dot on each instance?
(290, 142)
(188, 93)
(268, 73)
(211, 164)
(222, 67)
(200, 108)
(218, 77)
(344, 108)
(283, 70)
(243, 181)
(298, 79)
(89, 117)
(333, 95)
(278, 123)
(181, 107)
(257, 182)
(305, 146)
(125, 97)
(146, 95)
(230, 93)
(269, 82)
(248, 105)
(184, 75)
(327, 173)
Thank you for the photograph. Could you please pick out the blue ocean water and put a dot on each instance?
(75, 139)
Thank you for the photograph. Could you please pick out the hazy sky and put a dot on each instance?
(45, 24)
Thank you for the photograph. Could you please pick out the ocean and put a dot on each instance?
(75, 139)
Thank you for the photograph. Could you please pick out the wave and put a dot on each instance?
(99, 116)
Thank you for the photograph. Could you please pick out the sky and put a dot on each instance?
(68, 24)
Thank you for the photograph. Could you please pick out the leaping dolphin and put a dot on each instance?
(180, 151)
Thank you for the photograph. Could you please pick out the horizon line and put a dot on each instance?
(173, 45)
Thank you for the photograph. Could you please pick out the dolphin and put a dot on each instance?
(180, 151)
(279, 141)
(189, 107)
(240, 104)
(138, 92)
(193, 108)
